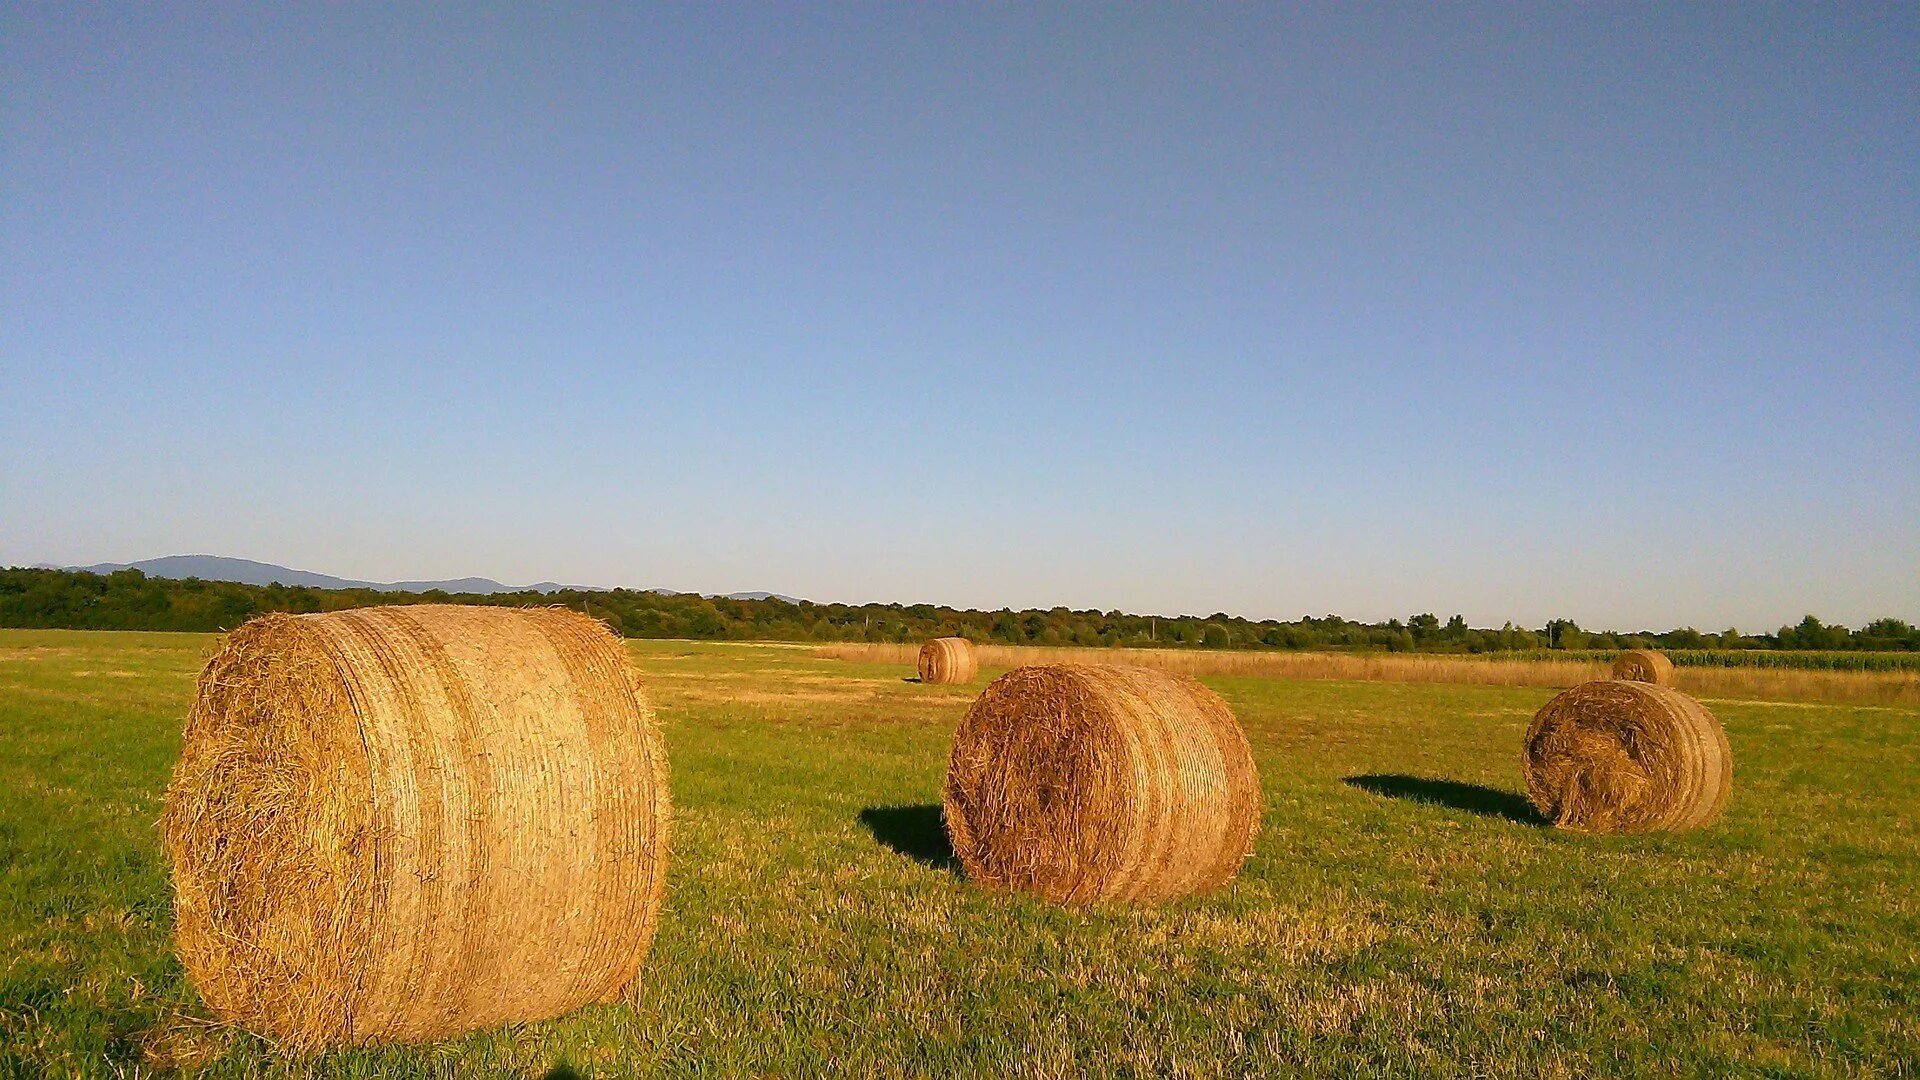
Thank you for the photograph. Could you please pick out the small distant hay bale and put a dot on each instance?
(1617, 756)
(948, 661)
(404, 823)
(1091, 784)
(1644, 665)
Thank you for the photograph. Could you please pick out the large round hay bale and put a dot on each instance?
(404, 823)
(1085, 784)
(1644, 665)
(948, 661)
(1624, 756)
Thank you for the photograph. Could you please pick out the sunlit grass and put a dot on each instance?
(1402, 913)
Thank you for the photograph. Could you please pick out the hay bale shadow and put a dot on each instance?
(1473, 798)
(914, 831)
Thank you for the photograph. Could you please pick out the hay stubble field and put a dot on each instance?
(1403, 911)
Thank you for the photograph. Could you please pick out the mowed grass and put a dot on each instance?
(1402, 914)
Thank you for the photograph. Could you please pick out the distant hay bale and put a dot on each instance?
(1087, 784)
(949, 661)
(405, 823)
(1624, 756)
(1644, 665)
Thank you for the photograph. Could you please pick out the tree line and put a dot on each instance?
(130, 600)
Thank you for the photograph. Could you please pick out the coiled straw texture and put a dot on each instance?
(1617, 756)
(948, 661)
(1092, 784)
(405, 823)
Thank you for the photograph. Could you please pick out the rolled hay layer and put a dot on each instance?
(948, 661)
(404, 823)
(1089, 784)
(1644, 665)
(1623, 756)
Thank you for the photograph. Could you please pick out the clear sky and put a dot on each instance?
(1517, 311)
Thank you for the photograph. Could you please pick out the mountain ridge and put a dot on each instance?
(254, 572)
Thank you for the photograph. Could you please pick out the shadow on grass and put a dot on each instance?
(914, 831)
(1469, 797)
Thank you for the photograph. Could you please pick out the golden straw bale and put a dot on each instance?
(1086, 784)
(1624, 756)
(1644, 665)
(405, 823)
(948, 660)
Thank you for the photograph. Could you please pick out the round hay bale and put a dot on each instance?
(948, 661)
(1644, 665)
(405, 823)
(1623, 756)
(1086, 784)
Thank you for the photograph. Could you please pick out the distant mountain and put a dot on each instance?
(249, 572)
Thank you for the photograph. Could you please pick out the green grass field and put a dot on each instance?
(1403, 913)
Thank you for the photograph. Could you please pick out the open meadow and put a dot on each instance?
(1404, 912)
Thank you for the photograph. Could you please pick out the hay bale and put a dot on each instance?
(1085, 784)
(405, 823)
(948, 661)
(1644, 665)
(1623, 756)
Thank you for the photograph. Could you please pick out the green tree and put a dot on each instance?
(1565, 634)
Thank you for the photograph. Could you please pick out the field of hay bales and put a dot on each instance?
(1403, 912)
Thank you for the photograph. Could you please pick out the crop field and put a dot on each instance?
(1403, 912)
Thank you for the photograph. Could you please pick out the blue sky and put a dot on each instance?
(1602, 312)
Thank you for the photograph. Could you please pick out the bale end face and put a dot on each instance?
(1618, 756)
(1085, 784)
